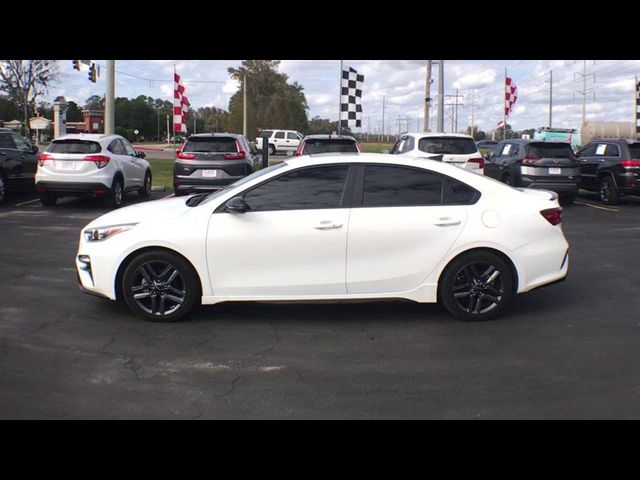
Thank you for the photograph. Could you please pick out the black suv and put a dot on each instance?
(312, 144)
(210, 161)
(611, 167)
(535, 164)
(18, 163)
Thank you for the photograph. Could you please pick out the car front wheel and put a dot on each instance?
(476, 286)
(160, 286)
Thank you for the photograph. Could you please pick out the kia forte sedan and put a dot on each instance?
(331, 227)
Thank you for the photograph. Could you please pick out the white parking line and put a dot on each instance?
(28, 201)
(598, 207)
(169, 196)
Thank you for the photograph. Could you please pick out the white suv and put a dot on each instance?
(280, 140)
(100, 165)
(457, 149)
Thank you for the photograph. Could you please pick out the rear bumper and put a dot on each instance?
(544, 184)
(71, 188)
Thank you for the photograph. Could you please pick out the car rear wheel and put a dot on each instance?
(272, 150)
(608, 191)
(145, 191)
(116, 194)
(160, 286)
(476, 286)
(48, 199)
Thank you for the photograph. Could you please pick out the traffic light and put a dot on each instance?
(92, 72)
(76, 65)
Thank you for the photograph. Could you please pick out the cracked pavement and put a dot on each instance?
(569, 351)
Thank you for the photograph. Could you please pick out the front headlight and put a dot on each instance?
(102, 233)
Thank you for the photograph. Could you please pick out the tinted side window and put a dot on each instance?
(459, 193)
(396, 147)
(20, 142)
(6, 141)
(292, 136)
(279, 135)
(318, 187)
(128, 149)
(387, 186)
(115, 147)
(587, 151)
(612, 151)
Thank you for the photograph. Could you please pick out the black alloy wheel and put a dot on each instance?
(608, 191)
(3, 188)
(477, 286)
(160, 286)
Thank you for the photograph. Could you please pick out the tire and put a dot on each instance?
(608, 191)
(272, 150)
(175, 293)
(116, 194)
(508, 179)
(470, 279)
(48, 199)
(566, 199)
(145, 191)
(179, 193)
(3, 189)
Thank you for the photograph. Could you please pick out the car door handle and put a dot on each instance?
(446, 222)
(328, 226)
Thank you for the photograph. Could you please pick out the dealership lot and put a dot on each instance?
(569, 351)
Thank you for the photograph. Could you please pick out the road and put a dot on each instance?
(569, 351)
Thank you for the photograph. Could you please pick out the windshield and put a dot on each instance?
(325, 145)
(244, 180)
(447, 145)
(551, 150)
(211, 144)
(74, 146)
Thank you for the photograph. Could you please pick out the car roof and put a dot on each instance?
(432, 134)
(327, 136)
(95, 137)
(214, 134)
(628, 141)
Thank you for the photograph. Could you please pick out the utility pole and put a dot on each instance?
(456, 112)
(441, 96)
(584, 90)
(244, 105)
(473, 107)
(383, 98)
(551, 98)
(427, 96)
(109, 110)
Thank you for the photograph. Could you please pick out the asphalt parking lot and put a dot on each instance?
(567, 352)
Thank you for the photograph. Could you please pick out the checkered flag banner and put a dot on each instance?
(637, 106)
(510, 95)
(351, 99)
(180, 103)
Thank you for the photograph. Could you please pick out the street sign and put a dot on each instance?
(136, 132)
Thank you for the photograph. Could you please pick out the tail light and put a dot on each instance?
(43, 157)
(630, 163)
(185, 156)
(235, 156)
(530, 159)
(552, 215)
(479, 161)
(101, 161)
(299, 150)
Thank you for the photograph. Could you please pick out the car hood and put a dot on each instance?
(146, 211)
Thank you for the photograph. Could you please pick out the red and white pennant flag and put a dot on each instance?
(180, 103)
(510, 95)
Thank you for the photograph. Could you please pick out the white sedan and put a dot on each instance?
(331, 227)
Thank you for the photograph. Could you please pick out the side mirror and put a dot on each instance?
(34, 149)
(236, 205)
(140, 154)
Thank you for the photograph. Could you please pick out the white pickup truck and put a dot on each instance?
(280, 140)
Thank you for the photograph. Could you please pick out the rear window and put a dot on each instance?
(325, 145)
(217, 144)
(551, 150)
(74, 146)
(266, 132)
(452, 146)
(634, 149)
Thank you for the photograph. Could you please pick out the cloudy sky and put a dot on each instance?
(401, 83)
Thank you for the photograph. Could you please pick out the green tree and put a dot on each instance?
(272, 102)
(94, 102)
(9, 109)
(74, 112)
(24, 81)
(324, 126)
